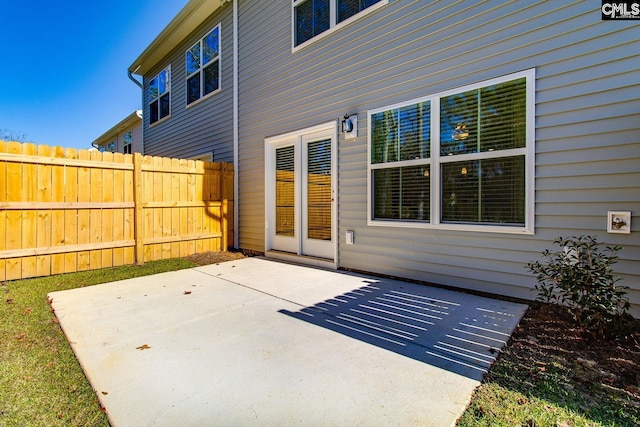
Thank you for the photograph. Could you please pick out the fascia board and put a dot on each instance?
(185, 22)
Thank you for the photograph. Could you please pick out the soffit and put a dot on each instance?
(185, 22)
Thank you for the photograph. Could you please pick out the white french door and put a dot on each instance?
(300, 192)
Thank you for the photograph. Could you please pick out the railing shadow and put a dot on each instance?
(457, 332)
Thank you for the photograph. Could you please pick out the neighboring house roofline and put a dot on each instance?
(113, 132)
(187, 20)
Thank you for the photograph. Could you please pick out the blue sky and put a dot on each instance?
(63, 75)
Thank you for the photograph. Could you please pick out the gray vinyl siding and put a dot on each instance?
(136, 138)
(587, 123)
(206, 125)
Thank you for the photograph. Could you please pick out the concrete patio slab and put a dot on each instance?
(259, 342)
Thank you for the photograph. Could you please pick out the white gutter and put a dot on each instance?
(236, 164)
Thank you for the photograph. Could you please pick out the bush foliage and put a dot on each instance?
(580, 277)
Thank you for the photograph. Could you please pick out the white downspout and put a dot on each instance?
(236, 165)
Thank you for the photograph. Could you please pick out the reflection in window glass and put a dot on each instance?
(126, 141)
(319, 190)
(285, 192)
(490, 191)
(203, 66)
(401, 134)
(312, 18)
(348, 8)
(482, 120)
(159, 89)
(402, 193)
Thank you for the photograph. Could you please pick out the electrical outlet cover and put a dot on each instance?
(619, 222)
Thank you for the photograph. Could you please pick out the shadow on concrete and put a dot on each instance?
(458, 332)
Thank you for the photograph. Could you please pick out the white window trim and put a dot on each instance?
(160, 120)
(186, 79)
(333, 25)
(436, 160)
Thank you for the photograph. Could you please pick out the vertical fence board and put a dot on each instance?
(147, 196)
(95, 215)
(13, 266)
(29, 217)
(138, 225)
(84, 215)
(43, 222)
(3, 216)
(164, 195)
(57, 215)
(106, 234)
(118, 214)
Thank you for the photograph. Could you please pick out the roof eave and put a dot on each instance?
(185, 22)
(124, 123)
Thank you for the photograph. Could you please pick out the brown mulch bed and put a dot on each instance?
(215, 257)
(548, 346)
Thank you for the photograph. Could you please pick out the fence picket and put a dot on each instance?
(43, 224)
(57, 215)
(29, 217)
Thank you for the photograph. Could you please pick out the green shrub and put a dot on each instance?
(579, 276)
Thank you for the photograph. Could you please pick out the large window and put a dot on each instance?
(203, 66)
(159, 96)
(461, 159)
(314, 17)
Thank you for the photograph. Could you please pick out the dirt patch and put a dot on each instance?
(547, 343)
(216, 257)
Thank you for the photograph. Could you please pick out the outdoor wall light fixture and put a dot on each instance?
(347, 124)
(350, 126)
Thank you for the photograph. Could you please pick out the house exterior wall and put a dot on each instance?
(587, 123)
(118, 138)
(205, 126)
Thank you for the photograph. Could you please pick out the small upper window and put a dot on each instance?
(126, 143)
(203, 66)
(313, 17)
(159, 96)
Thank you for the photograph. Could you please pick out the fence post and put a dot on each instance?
(138, 230)
(225, 207)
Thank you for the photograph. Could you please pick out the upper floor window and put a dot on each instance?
(110, 147)
(313, 17)
(469, 167)
(203, 66)
(126, 142)
(159, 96)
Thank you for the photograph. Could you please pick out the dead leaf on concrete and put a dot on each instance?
(143, 347)
(104, 392)
(187, 292)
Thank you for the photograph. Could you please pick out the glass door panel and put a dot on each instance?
(319, 190)
(285, 191)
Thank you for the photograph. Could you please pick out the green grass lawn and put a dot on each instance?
(41, 382)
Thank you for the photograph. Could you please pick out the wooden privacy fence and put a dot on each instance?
(66, 210)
